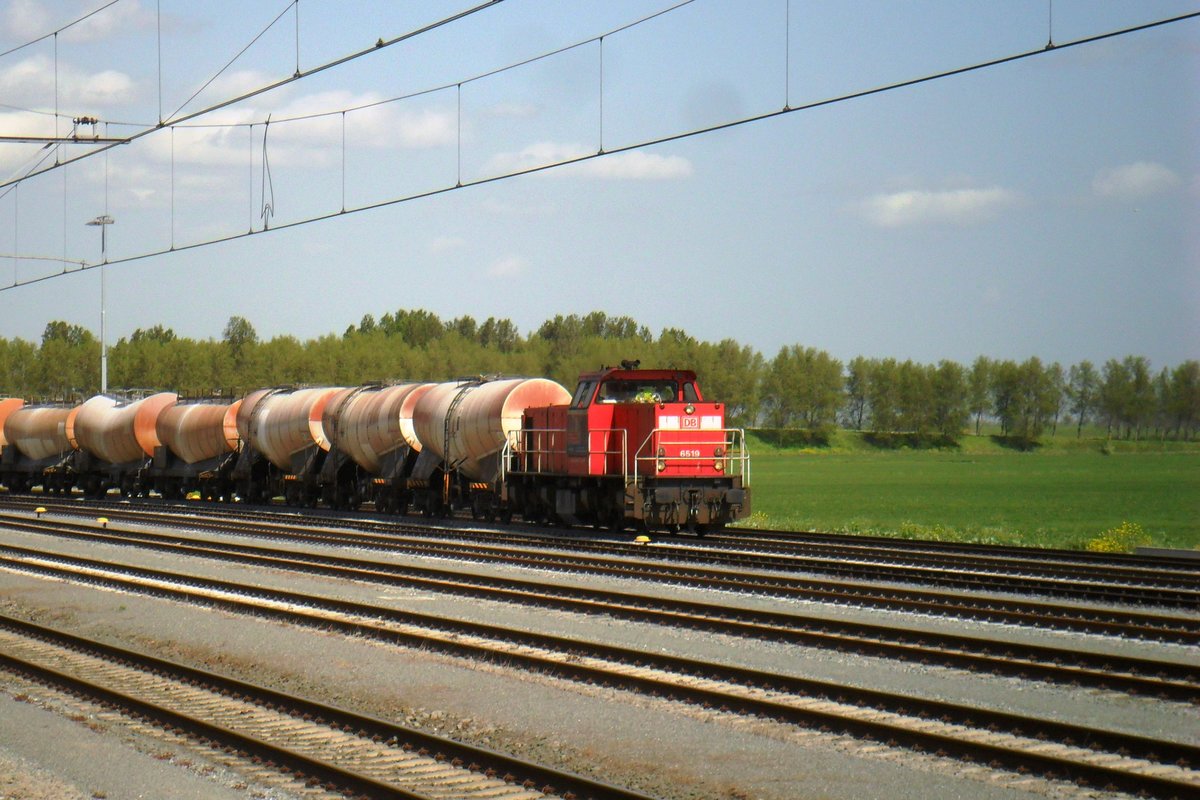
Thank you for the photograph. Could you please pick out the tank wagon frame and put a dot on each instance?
(628, 448)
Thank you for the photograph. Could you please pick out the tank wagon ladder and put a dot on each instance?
(336, 459)
(447, 434)
(248, 455)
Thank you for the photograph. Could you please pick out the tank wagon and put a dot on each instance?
(629, 447)
(115, 441)
(373, 446)
(464, 428)
(283, 444)
(198, 451)
(38, 448)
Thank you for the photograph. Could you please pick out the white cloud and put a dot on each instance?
(631, 165)
(313, 143)
(28, 19)
(1136, 180)
(446, 244)
(956, 206)
(636, 165)
(30, 82)
(508, 267)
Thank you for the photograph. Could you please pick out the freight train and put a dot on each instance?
(629, 448)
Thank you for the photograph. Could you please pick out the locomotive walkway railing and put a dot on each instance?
(543, 450)
(542, 447)
(730, 459)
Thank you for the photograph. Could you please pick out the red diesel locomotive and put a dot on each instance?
(633, 446)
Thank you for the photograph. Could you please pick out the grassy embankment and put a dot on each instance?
(1066, 493)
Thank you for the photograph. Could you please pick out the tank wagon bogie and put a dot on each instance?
(628, 448)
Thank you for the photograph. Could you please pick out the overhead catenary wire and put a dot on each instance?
(233, 60)
(59, 30)
(378, 46)
(789, 109)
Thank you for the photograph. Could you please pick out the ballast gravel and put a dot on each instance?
(665, 749)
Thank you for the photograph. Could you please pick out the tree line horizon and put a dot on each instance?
(799, 388)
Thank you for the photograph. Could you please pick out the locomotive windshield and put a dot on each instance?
(644, 391)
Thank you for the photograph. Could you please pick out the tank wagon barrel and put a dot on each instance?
(284, 443)
(196, 432)
(120, 433)
(373, 445)
(199, 449)
(287, 422)
(7, 406)
(369, 422)
(463, 427)
(39, 432)
(466, 424)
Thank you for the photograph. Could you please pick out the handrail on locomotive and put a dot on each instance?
(518, 457)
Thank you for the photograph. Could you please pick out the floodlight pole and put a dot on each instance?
(103, 221)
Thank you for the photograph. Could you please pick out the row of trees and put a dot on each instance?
(801, 387)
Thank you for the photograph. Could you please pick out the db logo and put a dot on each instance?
(691, 422)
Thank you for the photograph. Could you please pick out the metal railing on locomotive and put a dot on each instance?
(734, 460)
(541, 446)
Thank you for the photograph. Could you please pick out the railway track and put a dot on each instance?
(788, 541)
(1176, 587)
(1122, 622)
(307, 743)
(1063, 665)
(1056, 750)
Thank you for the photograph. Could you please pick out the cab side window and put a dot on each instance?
(583, 394)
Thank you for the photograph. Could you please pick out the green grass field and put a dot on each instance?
(1065, 494)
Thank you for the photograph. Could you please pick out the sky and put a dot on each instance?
(1045, 207)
